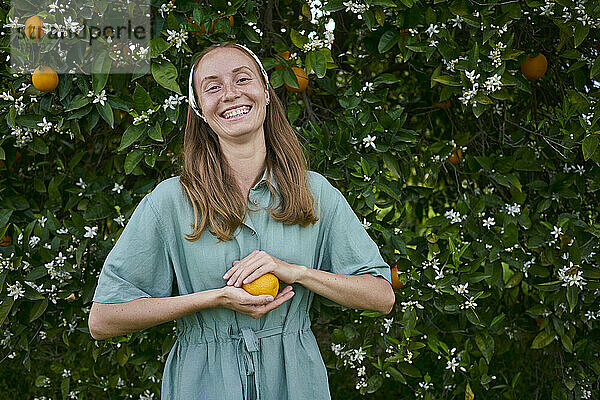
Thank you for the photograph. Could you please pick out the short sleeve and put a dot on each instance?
(139, 264)
(348, 249)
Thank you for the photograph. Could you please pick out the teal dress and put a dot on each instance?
(221, 354)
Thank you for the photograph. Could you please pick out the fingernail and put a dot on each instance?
(225, 276)
(229, 282)
(270, 298)
(245, 281)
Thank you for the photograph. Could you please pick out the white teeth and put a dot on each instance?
(236, 112)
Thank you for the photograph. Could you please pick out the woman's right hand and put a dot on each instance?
(238, 299)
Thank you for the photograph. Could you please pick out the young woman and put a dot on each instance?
(249, 201)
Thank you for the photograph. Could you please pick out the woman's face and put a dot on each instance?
(231, 93)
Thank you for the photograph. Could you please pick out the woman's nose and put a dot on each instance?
(230, 92)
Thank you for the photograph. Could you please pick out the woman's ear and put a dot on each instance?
(267, 97)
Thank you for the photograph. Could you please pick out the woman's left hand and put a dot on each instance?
(258, 263)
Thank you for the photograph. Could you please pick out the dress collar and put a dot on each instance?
(263, 180)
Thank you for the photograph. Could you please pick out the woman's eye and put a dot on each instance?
(243, 79)
(213, 87)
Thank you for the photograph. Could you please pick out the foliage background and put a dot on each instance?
(497, 252)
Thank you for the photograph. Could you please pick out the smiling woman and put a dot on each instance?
(241, 157)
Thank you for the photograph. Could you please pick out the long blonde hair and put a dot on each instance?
(208, 182)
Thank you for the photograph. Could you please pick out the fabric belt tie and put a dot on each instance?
(247, 348)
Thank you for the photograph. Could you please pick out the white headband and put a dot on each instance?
(191, 95)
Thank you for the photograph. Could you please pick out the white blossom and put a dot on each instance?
(489, 222)
(45, 125)
(15, 291)
(572, 276)
(166, 8)
(117, 188)
(91, 232)
(513, 209)
(14, 23)
(177, 38)
(556, 232)
(461, 288)
(33, 241)
(432, 30)
(471, 76)
(493, 83)
(369, 141)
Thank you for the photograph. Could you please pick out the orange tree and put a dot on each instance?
(479, 185)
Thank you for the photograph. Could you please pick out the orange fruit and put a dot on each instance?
(266, 284)
(33, 28)
(534, 67)
(286, 56)
(455, 157)
(302, 80)
(44, 79)
(5, 241)
(396, 283)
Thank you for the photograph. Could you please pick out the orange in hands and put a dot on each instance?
(266, 284)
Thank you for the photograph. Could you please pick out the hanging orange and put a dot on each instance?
(33, 28)
(455, 157)
(396, 283)
(5, 241)
(44, 79)
(302, 81)
(534, 67)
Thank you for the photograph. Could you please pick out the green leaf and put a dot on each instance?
(131, 134)
(141, 99)
(388, 40)
(485, 343)
(567, 342)
(133, 159)
(319, 63)
(155, 133)
(39, 146)
(276, 78)
(409, 369)
(78, 101)
(38, 309)
(290, 78)
(581, 32)
(251, 34)
(5, 306)
(447, 80)
(589, 145)
(100, 71)
(293, 112)
(5, 216)
(542, 340)
(106, 112)
(80, 250)
(595, 70)
(158, 45)
(297, 39)
(165, 75)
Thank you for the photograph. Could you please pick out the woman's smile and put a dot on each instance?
(236, 113)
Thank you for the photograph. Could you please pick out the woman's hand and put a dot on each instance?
(238, 299)
(258, 263)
